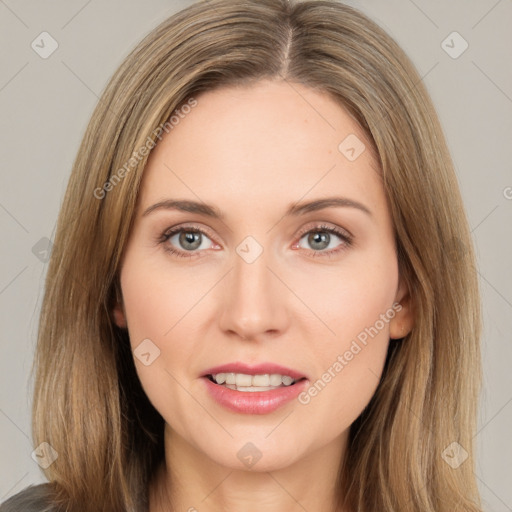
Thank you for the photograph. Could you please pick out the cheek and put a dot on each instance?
(355, 305)
(153, 306)
(158, 307)
(155, 300)
(348, 298)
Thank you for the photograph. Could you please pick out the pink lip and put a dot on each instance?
(254, 402)
(258, 369)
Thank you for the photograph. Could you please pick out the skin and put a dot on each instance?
(251, 152)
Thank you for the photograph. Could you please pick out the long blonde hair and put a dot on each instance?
(88, 401)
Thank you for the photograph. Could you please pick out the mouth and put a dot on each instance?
(256, 389)
(252, 378)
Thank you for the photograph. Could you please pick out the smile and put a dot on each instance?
(252, 399)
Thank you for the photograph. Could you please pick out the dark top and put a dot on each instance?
(35, 498)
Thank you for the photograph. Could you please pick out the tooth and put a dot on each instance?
(261, 380)
(286, 380)
(266, 380)
(243, 380)
(231, 386)
(255, 388)
(275, 379)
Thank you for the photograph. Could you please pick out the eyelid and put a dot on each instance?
(192, 227)
(319, 226)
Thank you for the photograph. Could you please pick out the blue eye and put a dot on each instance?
(321, 238)
(189, 242)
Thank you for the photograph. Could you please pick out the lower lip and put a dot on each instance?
(254, 402)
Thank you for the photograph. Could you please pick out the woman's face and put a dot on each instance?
(256, 275)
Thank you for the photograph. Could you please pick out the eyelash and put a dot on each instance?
(343, 235)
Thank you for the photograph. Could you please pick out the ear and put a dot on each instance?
(118, 312)
(403, 321)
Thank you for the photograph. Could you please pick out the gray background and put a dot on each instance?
(46, 103)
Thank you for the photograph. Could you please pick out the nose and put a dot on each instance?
(253, 300)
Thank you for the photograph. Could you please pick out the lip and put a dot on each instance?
(254, 402)
(258, 369)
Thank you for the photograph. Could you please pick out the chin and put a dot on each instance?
(257, 452)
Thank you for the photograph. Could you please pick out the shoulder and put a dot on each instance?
(36, 498)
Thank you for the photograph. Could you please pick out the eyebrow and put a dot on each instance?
(294, 209)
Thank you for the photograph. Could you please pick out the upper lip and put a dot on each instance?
(255, 369)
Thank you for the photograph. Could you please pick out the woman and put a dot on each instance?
(262, 294)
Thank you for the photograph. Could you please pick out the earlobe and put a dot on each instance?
(119, 316)
(403, 321)
(118, 313)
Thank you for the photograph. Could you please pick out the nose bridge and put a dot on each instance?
(254, 302)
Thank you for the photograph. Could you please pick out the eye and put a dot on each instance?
(190, 241)
(323, 237)
(186, 242)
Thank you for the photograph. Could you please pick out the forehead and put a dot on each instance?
(272, 142)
